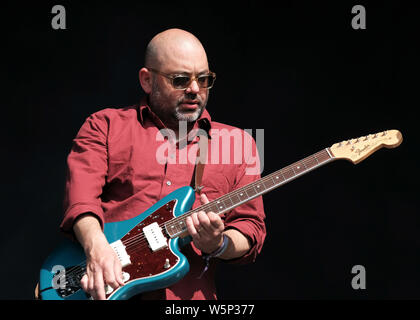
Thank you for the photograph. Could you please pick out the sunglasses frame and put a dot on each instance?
(172, 77)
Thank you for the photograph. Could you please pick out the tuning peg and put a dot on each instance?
(384, 133)
(366, 138)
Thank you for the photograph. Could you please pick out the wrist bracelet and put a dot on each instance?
(217, 253)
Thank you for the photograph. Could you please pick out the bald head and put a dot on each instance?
(174, 47)
(175, 52)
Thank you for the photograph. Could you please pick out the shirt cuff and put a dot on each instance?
(75, 211)
(248, 230)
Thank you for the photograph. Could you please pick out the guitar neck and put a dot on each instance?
(231, 200)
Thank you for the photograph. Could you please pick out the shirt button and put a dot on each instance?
(168, 183)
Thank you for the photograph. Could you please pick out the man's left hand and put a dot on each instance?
(206, 229)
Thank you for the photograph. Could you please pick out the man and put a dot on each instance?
(114, 172)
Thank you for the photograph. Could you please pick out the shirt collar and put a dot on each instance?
(204, 122)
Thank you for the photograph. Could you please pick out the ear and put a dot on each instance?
(145, 77)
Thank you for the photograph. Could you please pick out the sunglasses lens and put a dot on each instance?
(205, 81)
(181, 82)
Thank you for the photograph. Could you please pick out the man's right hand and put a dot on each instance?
(102, 264)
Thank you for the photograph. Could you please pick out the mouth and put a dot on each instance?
(190, 105)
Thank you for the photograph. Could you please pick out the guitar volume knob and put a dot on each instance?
(167, 264)
(108, 289)
(125, 276)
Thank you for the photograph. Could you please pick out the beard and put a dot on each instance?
(171, 112)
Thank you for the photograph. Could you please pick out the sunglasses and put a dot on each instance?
(182, 82)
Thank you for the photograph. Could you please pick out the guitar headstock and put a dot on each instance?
(356, 150)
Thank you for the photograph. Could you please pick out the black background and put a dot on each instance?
(297, 70)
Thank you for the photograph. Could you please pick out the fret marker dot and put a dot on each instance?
(241, 194)
(298, 167)
(277, 177)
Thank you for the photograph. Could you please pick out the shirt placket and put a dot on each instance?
(179, 167)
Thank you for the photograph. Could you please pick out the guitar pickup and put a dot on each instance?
(155, 237)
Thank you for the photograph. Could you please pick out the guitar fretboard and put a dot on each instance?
(231, 200)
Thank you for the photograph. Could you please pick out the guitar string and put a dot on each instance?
(306, 160)
(140, 239)
(245, 189)
(140, 242)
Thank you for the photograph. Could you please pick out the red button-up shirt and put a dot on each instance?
(120, 165)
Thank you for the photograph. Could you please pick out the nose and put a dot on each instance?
(193, 87)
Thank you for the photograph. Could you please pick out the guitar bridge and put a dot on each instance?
(119, 249)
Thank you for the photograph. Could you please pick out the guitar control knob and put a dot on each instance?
(167, 264)
(125, 276)
(108, 289)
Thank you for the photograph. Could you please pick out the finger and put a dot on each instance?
(216, 221)
(204, 221)
(109, 275)
(203, 199)
(99, 287)
(91, 281)
(195, 220)
(191, 228)
(118, 272)
(84, 283)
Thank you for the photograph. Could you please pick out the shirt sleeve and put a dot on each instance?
(248, 218)
(87, 167)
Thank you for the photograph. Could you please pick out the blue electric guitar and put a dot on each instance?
(149, 244)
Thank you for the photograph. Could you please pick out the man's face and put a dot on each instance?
(170, 104)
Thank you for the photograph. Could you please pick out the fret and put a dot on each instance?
(242, 195)
(235, 199)
(227, 202)
(268, 183)
(220, 206)
(311, 162)
(288, 174)
(260, 187)
(251, 192)
(175, 227)
(213, 208)
(298, 168)
(277, 179)
(325, 156)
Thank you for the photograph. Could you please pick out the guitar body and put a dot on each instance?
(148, 270)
